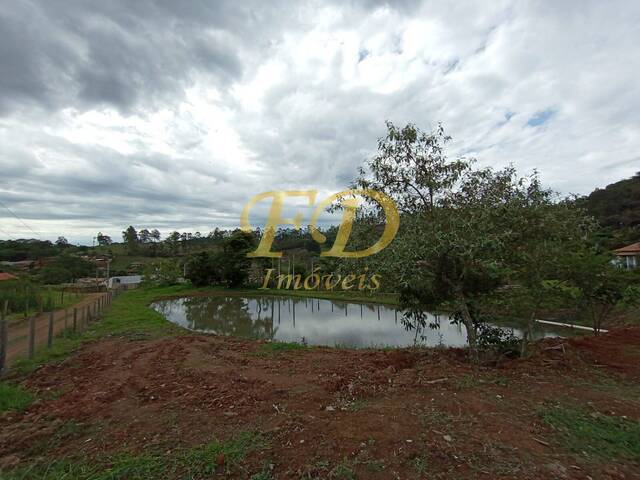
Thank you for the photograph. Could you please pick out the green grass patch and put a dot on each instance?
(600, 436)
(14, 397)
(279, 347)
(197, 462)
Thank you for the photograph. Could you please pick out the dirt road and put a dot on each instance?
(18, 331)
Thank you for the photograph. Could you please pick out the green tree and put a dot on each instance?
(65, 268)
(230, 266)
(103, 240)
(597, 286)
(462, 229)
(62, 242)
(144, 236)
(162, 273)
(130, 237)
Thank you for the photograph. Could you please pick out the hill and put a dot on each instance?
(617, 205)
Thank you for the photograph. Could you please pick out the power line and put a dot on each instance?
(19, 219)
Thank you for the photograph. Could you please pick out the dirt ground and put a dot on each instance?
(381, 414)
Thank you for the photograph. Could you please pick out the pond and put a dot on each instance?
(309, 320)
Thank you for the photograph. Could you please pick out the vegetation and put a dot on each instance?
(230, 266)
(197, 462)
(65, 269)
(14, 397)
(25, 297)
(617, 205)
(470, 236)
(596, 435)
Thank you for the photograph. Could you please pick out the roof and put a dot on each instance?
(633, 249)
(7, 276)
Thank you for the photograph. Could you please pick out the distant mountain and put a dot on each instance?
(617, 205)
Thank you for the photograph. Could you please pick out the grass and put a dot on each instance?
(54, 297)
(279, 347)
(343, 471)
(14, 397)
(198, 462)
(595, 435)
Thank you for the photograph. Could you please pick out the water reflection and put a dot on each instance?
(307, 320)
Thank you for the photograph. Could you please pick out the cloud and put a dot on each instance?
(173, 114)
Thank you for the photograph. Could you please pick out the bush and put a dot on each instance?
(20, 294)
(229, 267)
(163, 274)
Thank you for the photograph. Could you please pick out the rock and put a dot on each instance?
(447, 438)
(557, 470)
(330, 408)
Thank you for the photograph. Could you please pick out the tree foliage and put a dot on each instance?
(467, 235)
(229, 266)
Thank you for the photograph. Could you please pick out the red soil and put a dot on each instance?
(320, 407)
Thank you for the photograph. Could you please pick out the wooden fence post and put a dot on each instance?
(32, 335)
(75, 319)
(66, 323)
(4, 341)
(50, 332)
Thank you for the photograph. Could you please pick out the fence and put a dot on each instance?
(21, 337)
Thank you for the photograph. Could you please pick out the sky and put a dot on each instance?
(172, 115)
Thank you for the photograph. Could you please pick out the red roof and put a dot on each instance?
(7, 276)
(633, 249)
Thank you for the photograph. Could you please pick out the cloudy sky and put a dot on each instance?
(171, 115)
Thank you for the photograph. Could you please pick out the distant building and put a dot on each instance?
(7, 276)
(629, 256)
(96, 281)
(22, 264)
(125, 281)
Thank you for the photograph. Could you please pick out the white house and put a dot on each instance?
(126, 281)
(629, 256)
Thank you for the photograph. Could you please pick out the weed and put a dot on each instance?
(466, 381)
(14, 397)
(420, 464)
(279, 347)
(600, 436)
(198, 462)
(356, 405)
(375, 465)
(343, 471)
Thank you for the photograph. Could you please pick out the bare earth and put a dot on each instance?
(387, 414)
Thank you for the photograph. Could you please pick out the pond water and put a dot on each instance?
(309, 320)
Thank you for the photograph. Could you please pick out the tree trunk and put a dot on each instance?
(528, 334)
(472, 337)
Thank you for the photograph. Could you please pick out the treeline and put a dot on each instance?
(617, 209)
(32, 249)
(149, 242)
